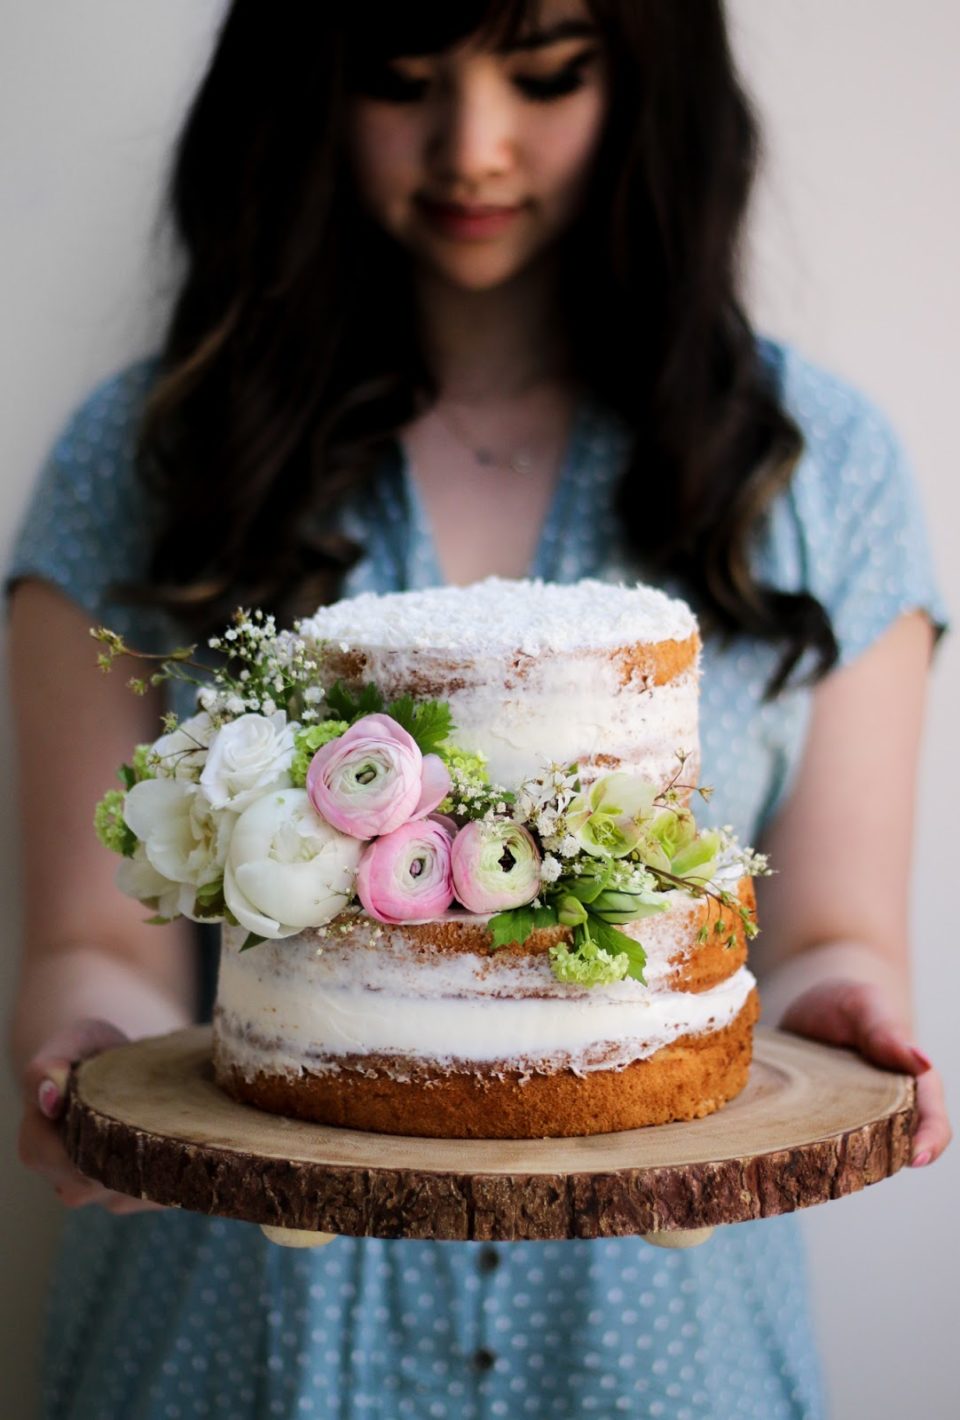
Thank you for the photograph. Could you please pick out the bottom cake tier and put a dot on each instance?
(686, 1080)
(424, 1030)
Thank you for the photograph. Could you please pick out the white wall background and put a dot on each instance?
(854, 259)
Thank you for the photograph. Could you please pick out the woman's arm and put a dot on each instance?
(833, 953)
(92, 971)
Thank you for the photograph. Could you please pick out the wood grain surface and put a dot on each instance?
(814, 1123)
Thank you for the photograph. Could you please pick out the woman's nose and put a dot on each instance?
(474, 135)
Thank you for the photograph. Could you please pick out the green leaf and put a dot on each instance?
(346, 706)
(428, 721)
(616, 907)
(209, 901)
(127, 775)
(210, 892)
(252, 940)
(617, 943)
(517, 924)
(340, 702)
(588, 886)
(157, 921)
(369, 702)
(509, 927)
(404, 711)
(545, 916)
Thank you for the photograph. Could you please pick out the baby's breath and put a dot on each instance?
(550, 868)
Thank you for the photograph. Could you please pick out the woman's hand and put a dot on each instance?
(858, 1014)
(40, 1144)
(833, 958)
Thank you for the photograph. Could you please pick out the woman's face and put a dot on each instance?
(475, 160)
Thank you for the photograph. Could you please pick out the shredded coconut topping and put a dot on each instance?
(498, 615)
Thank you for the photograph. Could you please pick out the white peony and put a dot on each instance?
(183, 752)
(182, 839)
(136, 877)
(287, 868)
(247, 757)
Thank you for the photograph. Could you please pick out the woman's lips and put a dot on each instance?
(467, 223)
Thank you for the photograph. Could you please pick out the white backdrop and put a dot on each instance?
(854, 259)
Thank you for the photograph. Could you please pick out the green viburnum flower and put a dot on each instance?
(469, 764)
(591, 965)
(606, 820)
(306, 743)
(142, 768)
(468, 771)
(111, 828)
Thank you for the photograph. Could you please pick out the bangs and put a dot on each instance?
(386, 29)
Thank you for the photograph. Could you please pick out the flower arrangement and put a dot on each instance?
(285, 803)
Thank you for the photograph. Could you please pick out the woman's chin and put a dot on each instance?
(474, 271)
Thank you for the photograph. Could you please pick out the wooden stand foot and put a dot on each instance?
(680, 1237)
(296, 1237)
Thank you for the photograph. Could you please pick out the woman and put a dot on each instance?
(460, 298)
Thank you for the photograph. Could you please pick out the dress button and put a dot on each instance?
(483, 1359)
(488, 1260)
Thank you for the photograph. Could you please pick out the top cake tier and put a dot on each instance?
(535, 673)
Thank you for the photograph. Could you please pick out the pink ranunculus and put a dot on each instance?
(496, 866)
(406, 873)
(372, 779)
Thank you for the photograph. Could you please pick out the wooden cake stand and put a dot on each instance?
(814, 1123)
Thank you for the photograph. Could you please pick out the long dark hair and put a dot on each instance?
(292, 357)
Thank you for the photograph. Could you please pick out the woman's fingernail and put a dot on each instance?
(921, 1159)
(48, 1098)
(922, 1060)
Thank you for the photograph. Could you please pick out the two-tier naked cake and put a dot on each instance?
(424, 1027)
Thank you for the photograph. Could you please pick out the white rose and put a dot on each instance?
(287, 868)
(247, 757)
(183, 752)
(182, 839)
(138, 878)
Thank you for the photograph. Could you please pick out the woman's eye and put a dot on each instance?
(390, 86)
(543, 88)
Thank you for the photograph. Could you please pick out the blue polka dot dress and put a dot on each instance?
(170, 1316)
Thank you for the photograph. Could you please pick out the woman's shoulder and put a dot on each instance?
(109, 416)
(92, 462)
(853, 465)
(88, 524)
(838, 420)
(849, 526)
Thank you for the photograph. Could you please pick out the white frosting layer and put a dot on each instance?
(534, 673)
(497, 615)
(562, 709)
(282, 1007)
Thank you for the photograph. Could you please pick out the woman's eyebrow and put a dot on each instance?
(539, 39)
